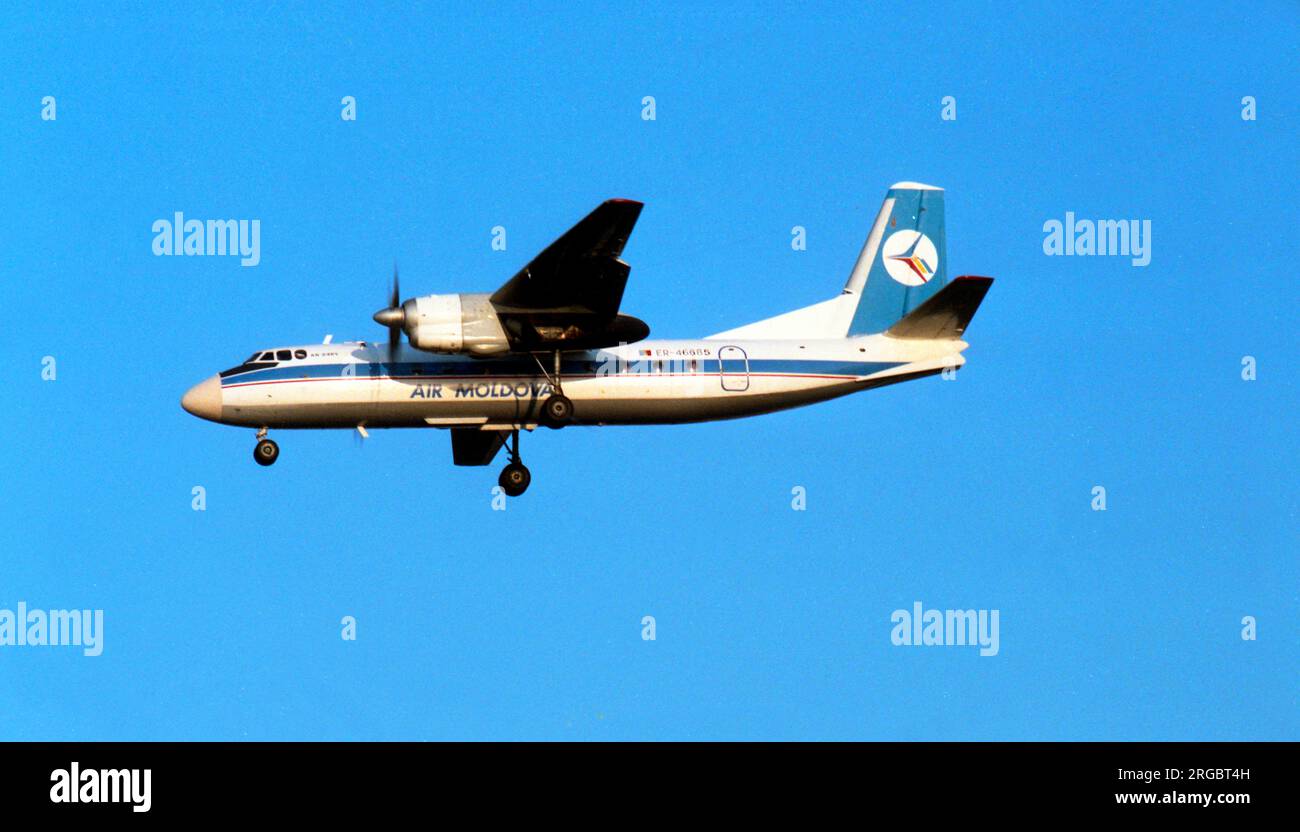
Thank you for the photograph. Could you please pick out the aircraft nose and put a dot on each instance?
(204, 399)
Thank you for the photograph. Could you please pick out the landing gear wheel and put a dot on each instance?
(514, 479)
(558, 410)
(266, 452)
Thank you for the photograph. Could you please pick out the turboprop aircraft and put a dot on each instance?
(551, 348)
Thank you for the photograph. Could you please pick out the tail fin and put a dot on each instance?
(904, 262)
(902, 265)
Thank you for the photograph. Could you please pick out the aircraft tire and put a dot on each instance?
(266, 452)
(514, 479)
(557, 410)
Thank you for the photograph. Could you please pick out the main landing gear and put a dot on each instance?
(265, 452)
(514, 477)
(557, 410)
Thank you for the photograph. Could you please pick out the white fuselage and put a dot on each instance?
(343, 385)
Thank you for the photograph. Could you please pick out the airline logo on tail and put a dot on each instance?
(910, 258)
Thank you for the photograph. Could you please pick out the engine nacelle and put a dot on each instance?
(454, 323)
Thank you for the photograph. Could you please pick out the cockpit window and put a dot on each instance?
(284, 355)
(260, 360)
(300, 354)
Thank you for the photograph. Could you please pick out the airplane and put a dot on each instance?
(550, 348)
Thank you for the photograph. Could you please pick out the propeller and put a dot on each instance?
(393, 317)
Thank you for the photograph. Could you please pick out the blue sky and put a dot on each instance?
(771, 623)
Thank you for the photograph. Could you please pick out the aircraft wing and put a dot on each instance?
(568, 296)
(580, 272)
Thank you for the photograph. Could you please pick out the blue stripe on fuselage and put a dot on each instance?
(514, 368)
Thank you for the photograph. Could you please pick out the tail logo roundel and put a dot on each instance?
(910, 258)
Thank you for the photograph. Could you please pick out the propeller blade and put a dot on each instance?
(393, 317)
(394, 329)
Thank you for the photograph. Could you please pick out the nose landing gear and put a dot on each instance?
(514, 477)
(266, 452)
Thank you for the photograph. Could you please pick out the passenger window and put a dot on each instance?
(284, 355)
(300, 354)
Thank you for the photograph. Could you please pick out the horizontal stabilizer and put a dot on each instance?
(947, 313)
